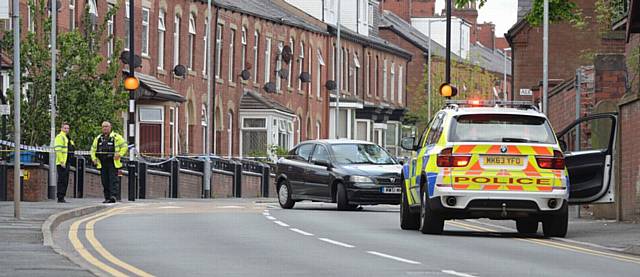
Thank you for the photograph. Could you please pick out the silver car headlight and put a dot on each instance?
(361, 179)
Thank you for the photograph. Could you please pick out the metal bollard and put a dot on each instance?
(142, 180)
(175, 172)
(80, 170)
(266, 179)
(237, 179)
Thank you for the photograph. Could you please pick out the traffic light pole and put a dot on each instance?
(131, 131)
(447, 77)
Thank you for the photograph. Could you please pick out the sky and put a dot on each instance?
(503, 13)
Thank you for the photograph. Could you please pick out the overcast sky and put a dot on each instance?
(503, 13)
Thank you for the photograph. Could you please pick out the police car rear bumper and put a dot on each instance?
(497, 204)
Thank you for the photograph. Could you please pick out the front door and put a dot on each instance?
(588, 145)
(317, 177)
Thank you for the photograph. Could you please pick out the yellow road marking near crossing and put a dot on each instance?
(555, 244)
(106, 254)
(84, 253)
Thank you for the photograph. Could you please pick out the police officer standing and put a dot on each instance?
(64, 148)
(106, 151)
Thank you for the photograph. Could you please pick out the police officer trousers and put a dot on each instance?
(110, 180)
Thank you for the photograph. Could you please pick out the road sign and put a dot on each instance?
(5, 109)
(525, 92)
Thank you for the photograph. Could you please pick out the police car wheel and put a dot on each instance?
(284, 195)
(343, 201)
(430, 222)
(527, 226)
(556, 225)
(408, 220)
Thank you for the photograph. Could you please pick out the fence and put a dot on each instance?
(177, 177)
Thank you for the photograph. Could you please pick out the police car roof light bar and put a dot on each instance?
(455, 104)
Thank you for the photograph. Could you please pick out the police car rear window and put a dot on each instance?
(501, 128)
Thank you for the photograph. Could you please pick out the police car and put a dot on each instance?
(502, 160)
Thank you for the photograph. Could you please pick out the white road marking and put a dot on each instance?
(230, 207)
(300, 232)
(266, 211)
(281, 223)
(455, 273)
(392, 257)
(170, 207)
(336, 242)
(270, 217)
(266, 214)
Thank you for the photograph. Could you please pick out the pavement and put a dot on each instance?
(26, 248)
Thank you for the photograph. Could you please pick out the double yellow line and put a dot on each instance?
(554, 244)
(97, 246)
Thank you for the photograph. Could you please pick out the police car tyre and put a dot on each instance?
(556, 225)
(284, 195)
(408, 220)
(430, 222)
(527, 226)
(341, 198)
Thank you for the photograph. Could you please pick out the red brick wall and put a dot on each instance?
(407, 9)
(569, 48)
(251, 186)
(221, 185)
(629, 159)
(35, 189)
(423, 8)
(158, 186)
(272, 187)
(189, 185)
(92, 185)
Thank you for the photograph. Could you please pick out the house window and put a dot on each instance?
(72, 14)
(343, 73)
(173, 131)
(254, 136)
(292, 45)
(356, 71)
(393, 81)
(384, 79)
(285, 133)
(256, 44)
(318, 130)
(400, 84)
(334, 61)
(267, 61)
(300, 64)
(232, 54)
(347, 71)
(110, 38)
(218, 49)
(205, 55)
(310, 71)
(161, 30)
(320, 63)
(243, 59)
(279, 66)
(298, 129)
(375, 77)
(362, 130)
(176, 40)
(205, 127)
(229, 134)
(151, 124)
(145, 31)
(126, 26)
(367, 75)
(192, 40)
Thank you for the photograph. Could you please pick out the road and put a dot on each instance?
(242, 238)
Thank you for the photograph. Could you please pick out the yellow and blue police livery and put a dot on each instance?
(502, 160)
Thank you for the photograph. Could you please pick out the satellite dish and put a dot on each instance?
(305, 77)
(137, 61)
(179, 70)
(330, 85)
(245, 74)
(283, 73)
(269, 87)
(124, 57)
(286, 54)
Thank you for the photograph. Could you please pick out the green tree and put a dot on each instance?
(559, 11)
(88, 84)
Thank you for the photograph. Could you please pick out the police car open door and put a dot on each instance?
(588, 145)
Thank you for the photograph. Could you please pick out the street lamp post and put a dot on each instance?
(429, 69)
(545, 59)
(16, 108)
(131, 141)
(338, 65)
(52, 154)
(207, 161)
(504, 80)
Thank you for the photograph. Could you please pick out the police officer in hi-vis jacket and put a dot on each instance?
(106, 151)
(64, 148)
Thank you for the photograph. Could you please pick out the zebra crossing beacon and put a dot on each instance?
(500, 160)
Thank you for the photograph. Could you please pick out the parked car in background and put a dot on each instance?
(346, 172)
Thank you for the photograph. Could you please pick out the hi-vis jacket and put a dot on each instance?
(61, 146)
(117, 145)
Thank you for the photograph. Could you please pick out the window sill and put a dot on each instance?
(232, 84)
(191, 72)
(301, 92)
(146, 56)
(219, 80)
(244, 82)
(161, 71)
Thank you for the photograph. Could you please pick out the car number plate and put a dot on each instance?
(503, 160)
(391, 190)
